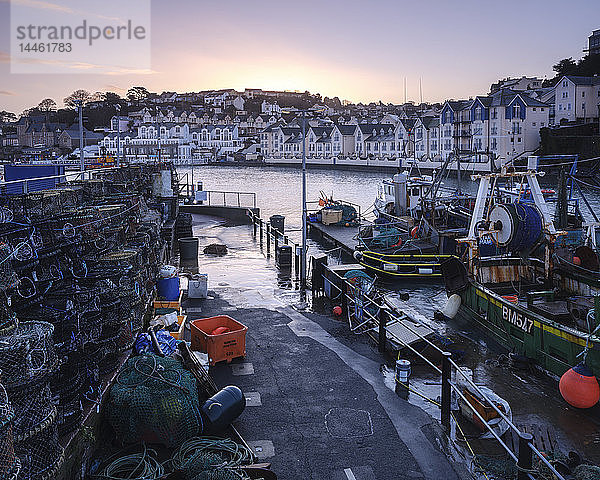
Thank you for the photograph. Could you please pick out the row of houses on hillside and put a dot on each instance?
(181, 143)
(487, 129)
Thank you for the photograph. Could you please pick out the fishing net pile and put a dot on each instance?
(79, 260)
(154, 400)
(348, 214)
(199, 458)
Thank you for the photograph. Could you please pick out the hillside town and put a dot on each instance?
(333, 240)
(483, 132)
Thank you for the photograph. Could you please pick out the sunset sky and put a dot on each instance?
(356, 50)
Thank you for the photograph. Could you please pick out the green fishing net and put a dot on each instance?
(154, 400)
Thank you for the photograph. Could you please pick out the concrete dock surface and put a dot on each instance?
(318, 407)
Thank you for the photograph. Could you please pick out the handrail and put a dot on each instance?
(225, 193)
(392, 310)
(64, 175)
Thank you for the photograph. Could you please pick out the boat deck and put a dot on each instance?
(346, 238)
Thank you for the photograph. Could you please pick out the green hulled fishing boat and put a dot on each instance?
(535, 302)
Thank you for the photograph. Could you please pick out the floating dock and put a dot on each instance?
(342, 237)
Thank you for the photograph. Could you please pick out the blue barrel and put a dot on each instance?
(168, 288)
(223, 408)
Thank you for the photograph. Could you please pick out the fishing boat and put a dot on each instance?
(417, 225)
(524, 296)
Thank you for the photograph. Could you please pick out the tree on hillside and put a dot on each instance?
(589, 65)
(82, 96)
(7, 116)
(47, 105)
(97, 97)
(112, 98)
(28, 112)
(137, 94)
(567, 66)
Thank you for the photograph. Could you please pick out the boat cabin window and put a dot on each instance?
(415, 191)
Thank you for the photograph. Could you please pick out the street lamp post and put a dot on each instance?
(303, 256)
(303, 262)
(81, 157)
(118, 107)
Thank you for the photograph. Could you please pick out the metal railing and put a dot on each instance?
(231, 199)
(383, 313)
(62, 179)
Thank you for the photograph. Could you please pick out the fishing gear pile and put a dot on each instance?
(77, 269)
(154, 400)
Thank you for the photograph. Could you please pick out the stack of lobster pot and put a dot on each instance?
(27, 361)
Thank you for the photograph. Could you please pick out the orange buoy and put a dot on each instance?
(337, 310)
(219, 331)
(579, 387)
(414, 232)
(576, 261)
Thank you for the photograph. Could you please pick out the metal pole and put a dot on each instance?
(81, 158)
(382, 331)
(303, 256)
(159, 153)
(260, 227)
(344, 297)
(118, 107)
(446, 389)
(525, 456)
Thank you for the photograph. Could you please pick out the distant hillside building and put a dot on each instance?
(517, 84)
(577, 99)
(69, 138)
(594, 43)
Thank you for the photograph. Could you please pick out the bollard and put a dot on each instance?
(446, 388)
(297, 252)
(383, 318)
(401, 376)
(275, 239)
(253, 224)
(525, 456)
(268, 239)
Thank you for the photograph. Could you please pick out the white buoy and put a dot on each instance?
(452, 305)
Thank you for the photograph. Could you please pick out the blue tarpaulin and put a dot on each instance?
(21, 172)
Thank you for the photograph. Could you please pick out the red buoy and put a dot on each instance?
(576, 261)
(414, 232)
(219, 331)
(579, 387)
(337, 310)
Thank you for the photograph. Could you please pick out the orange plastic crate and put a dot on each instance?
(225, 346)
(178, 335)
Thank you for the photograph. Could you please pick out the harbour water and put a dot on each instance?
(534, 397)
